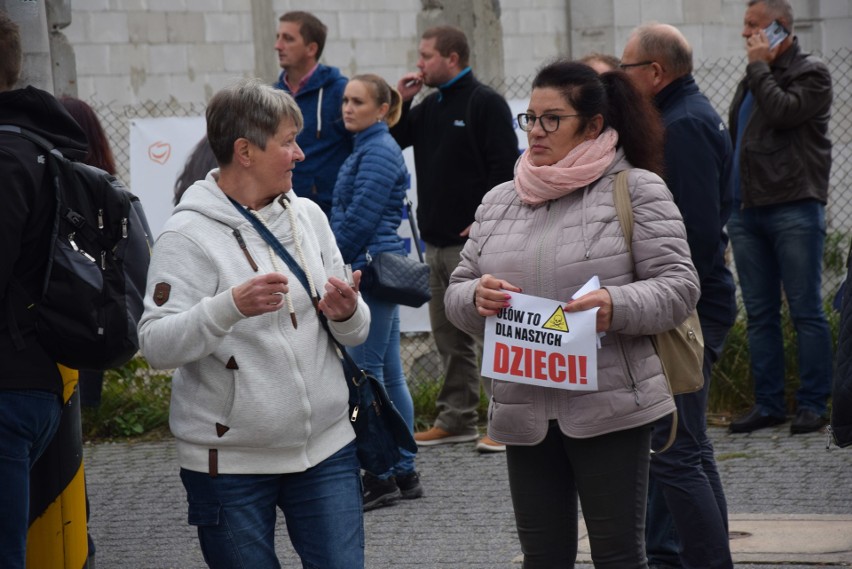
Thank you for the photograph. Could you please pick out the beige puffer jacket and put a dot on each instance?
(551, 251)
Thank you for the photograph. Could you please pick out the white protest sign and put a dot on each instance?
(536, 342)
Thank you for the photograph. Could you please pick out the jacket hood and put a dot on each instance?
(40, 112)
(322, 77)
(206, 198)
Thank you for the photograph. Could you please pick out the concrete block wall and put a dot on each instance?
(533, 32)
(131, 51)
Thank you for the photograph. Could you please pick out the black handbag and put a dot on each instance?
(380, 430)
(398, 278)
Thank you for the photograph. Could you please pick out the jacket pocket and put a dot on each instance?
(512, 411)
(256, 415)
(771, 170)
(204, 514)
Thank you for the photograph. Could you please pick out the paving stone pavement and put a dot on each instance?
(138, 507)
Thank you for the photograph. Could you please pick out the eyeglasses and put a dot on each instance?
(629, 65)
(549, 122)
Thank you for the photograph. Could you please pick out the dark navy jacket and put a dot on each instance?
(324, 140)
(368, 197)
(698, 159)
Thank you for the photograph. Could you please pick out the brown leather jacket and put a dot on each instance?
(785, 152)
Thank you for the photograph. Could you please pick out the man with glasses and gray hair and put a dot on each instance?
(464, 145)
(685, 492)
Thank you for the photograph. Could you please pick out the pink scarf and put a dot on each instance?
(584, 164)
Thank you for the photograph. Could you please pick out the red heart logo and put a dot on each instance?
(159, 152)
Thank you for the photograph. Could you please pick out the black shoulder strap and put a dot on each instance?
(279, 249)
(276, 245)
(36, 139)
(415, 235)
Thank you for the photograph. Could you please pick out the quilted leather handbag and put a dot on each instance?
(398, 278)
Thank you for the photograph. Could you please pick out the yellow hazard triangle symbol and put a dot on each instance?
(557, 321)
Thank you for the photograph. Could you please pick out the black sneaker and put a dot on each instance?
(379, 493)
(409, 485)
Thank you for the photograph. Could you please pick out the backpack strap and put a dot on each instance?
(624, 208)
(624, 212)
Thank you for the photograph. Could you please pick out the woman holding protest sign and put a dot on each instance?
(546, 233)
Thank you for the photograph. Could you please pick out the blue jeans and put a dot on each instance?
(379, 355)
(774, 246)
(687, 523)
(235, 515)
(28, 421)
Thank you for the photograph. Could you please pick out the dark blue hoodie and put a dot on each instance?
(324, 140)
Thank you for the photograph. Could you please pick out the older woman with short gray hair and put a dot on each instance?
(259, 402)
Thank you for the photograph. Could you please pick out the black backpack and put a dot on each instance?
(94, 284)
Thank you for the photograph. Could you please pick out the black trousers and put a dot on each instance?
(609, 473)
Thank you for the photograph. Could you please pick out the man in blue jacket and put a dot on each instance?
(685, 492)
(318, 90)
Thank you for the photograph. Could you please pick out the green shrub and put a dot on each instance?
(134, 402)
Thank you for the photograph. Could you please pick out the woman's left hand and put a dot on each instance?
(340, 300)
(597, 298)
(489, 296)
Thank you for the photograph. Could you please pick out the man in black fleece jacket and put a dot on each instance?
(30, 383)
(464, 145)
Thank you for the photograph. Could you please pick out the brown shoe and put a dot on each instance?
(487, 444)
(438, 436)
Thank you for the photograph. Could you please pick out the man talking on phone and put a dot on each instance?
(782, 157)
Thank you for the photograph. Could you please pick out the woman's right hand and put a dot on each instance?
(261, 294)
(490, 296)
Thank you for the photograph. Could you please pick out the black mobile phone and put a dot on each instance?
(775, 33)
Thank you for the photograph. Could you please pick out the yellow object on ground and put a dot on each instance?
(57, 534)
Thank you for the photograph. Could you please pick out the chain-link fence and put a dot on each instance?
(717, 79)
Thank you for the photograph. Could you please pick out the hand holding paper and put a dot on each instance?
(533, 340)
(491, 295)
(600, 299)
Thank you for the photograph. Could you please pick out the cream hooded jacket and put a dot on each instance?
(550, 251)
(267, 397)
